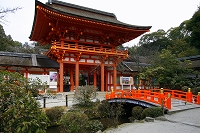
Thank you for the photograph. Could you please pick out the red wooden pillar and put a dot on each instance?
(61, 73)
(58, 80)
(102, 76)
(110, 82)
(106, 80)
(114, 77)
(26, 73)
(71, 79)
(88, 78)
(45, 71)
(77, 73)
(95, 78)
(62, 43)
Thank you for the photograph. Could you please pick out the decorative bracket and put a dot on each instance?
(78, 56)
(57, 32)
(103, 58)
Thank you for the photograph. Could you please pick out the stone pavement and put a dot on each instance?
(60, 99)
(189, 117)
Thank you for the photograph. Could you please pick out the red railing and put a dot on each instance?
(181, 95)
(85, 48)
(161, 97)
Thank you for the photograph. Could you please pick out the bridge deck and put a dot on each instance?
(180, 105)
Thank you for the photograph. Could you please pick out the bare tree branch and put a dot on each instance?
(5, 11)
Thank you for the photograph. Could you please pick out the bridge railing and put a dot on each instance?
(145, 95)
(158, 96)
(181, 95)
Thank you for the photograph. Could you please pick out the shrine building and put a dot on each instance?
(84, 42)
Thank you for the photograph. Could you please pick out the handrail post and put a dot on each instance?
(161, 99)
(169, 103)
(189, 95)
(133, 93)
(145, 95)
(198, 98)
(122, 94)
(139, 93)
(172, 94)
(107, 96)
(112, 95)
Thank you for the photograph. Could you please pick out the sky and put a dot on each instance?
(160, 14)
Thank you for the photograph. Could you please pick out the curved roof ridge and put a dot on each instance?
(83, 8)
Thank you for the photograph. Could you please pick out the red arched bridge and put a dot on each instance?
(152, 97)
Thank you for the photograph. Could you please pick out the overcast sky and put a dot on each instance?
(160, 14)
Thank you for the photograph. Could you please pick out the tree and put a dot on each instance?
(180, 37)
(6, 42)
(180, 32)
(181, 48)
(194, 27)
(19, 111)
(166, 69)
(154, 40)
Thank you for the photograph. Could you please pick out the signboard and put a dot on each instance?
(53, 78)
(126, 80)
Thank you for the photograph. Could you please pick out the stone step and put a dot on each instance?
(179, 105)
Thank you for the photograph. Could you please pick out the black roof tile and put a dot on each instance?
(89, 13)
(24, 59)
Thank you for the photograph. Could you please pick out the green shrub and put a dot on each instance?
(92, 112)
(19, 111)
(152, 112)
(136, 113)
(94, 126)
(74, 122)
(104, 109)
(54, 114)
(85, 94)
(145, 113)
(107, 123)
(113, 111)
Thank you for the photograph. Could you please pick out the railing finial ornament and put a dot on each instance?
(189, 89)
(161, 90)
(112, 90)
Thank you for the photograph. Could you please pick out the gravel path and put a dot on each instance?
(187, 121)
